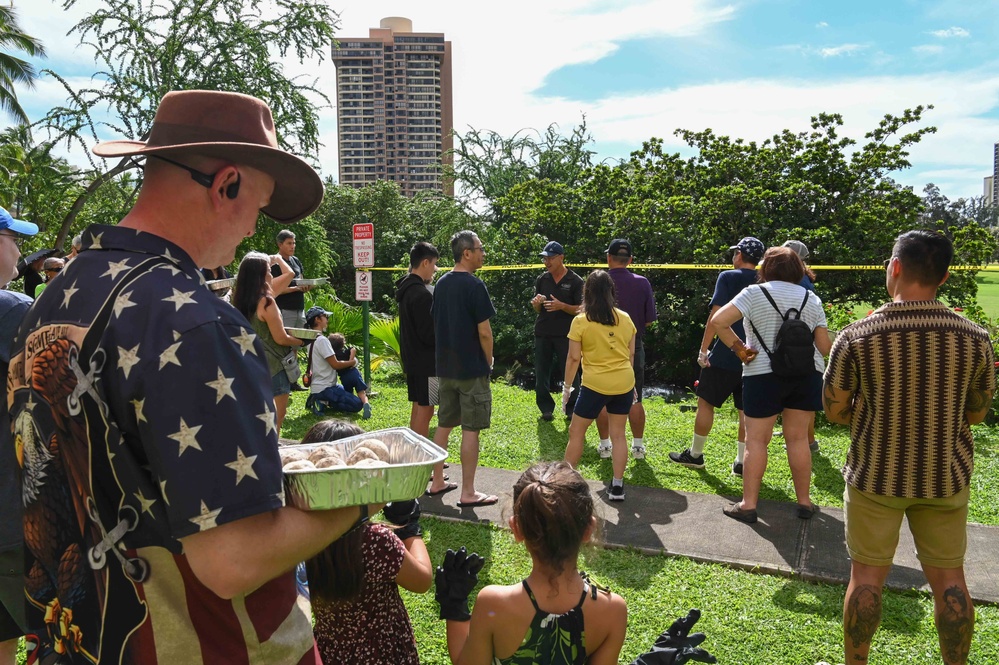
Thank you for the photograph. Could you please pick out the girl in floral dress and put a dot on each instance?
(555, 616)
(354, 583)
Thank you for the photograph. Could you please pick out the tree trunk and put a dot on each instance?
(67, 222)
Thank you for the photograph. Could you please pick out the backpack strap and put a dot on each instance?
(766, 292)
(802, 308)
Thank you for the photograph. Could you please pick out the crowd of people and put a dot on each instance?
(145, 413)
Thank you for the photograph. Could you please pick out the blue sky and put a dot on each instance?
(642, 68)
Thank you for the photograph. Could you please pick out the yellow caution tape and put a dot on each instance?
(675, 266)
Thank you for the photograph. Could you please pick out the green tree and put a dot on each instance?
(146, 49)
(487, 165)
(14, 70)
(36, 185)
(399, 222)
(833, 192)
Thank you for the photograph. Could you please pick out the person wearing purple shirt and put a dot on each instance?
(634, 296)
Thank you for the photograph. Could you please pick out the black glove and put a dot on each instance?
(675, 646)
(455, 579)
(405, 515)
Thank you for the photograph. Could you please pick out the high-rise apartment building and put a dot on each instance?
(394, 116)
(993, 196)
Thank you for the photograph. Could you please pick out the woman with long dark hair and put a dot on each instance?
(253, 296)
(603, 338)
(766, 393)
(354, 582)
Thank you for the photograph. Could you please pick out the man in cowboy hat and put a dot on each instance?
(154, 510)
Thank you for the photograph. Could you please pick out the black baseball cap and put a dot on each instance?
(619, 247)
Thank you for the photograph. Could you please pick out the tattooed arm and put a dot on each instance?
(838, 404)
(977, 406)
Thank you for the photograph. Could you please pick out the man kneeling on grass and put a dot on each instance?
(324, 365)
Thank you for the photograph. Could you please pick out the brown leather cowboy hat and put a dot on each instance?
(234, 127)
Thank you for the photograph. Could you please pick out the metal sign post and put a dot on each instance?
(364, 257)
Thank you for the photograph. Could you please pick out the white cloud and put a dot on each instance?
(501, 59)
(928, 49)
(951, 32)
(821, 24)
(843, 49)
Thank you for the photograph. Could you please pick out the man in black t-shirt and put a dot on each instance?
(291, 300)
(721, 370)
(464, 345)
(558, 295)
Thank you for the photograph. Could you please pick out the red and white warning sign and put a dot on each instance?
(364, 245)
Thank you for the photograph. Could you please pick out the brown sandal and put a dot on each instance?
(737, 512)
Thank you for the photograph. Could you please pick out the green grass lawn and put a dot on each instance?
(988, 292)
(749, 619)
(518, 438)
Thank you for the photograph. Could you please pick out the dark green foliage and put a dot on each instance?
(813, 186)
(399, 222)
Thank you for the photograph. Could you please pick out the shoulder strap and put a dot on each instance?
(766, 292)
(308, 365)
(530, 594)
(802, 308)
(100, 322)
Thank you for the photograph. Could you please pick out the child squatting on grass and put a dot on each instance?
(556, 616)
(354, 583)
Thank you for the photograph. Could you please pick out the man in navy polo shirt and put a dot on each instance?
(558, 295)
(721, 370)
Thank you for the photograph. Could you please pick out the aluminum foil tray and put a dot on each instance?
(221, 284)
(312, 282)
(302, 333)
(412, 460)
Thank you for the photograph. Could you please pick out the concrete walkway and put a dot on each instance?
(658, 521)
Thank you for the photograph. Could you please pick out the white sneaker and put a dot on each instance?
(604, 451)
(638, 452)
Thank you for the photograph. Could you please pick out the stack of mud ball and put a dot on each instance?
(370, 453)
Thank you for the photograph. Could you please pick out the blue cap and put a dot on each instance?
(16, 225)
(751, 248)
(313, 314)
(552, 249)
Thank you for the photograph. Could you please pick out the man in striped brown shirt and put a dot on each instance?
(910, 380)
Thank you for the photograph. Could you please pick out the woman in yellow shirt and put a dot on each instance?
(603, 336)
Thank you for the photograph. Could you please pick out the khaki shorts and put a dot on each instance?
(939, 527)
(465, 402)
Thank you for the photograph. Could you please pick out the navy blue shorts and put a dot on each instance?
(351, 380)
(716, 384)
(766, 395)
(591, 403)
